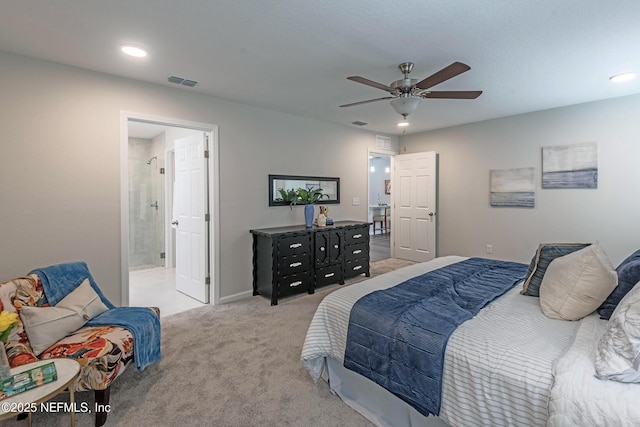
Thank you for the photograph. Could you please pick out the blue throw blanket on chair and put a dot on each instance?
(143, 323)
(397, 337)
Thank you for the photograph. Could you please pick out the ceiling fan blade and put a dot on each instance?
(368, 101)
(453, 94)
(371, 83)
(445, 74)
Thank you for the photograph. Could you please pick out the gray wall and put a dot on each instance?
(60, 191)
(609, 214)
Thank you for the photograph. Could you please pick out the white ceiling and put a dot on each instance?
(294, 55)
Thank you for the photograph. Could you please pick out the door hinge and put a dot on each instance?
(206, 217)
(161, 171)
(206, 154)
(207, 281)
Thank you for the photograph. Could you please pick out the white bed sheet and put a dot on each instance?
(498, 366)
(578, 398)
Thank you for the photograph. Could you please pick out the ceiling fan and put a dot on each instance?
(407, 93)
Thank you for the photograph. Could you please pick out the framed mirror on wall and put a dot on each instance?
(330, 187)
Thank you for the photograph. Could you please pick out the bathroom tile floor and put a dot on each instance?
(157, 288)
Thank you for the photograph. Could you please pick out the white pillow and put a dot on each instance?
(47, 325)
(576, 284)
(618, 350)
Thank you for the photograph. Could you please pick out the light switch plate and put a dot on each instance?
(356, 201)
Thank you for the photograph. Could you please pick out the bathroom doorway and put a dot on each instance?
(149, 239)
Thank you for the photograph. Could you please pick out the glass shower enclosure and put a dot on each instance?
(146, 203)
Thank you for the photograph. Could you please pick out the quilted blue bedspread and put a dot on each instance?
(397, 336)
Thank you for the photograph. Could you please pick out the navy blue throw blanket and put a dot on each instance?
(143, 323)
(397, 336)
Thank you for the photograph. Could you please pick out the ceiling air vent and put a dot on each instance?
(359, 123)
(181, 81)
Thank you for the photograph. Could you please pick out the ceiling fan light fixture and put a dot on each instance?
(405, 105)
(403, 124)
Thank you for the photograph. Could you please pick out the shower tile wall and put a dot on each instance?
(146, 188)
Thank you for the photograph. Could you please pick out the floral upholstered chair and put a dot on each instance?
(104, 345)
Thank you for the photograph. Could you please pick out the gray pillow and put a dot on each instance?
(628, 276)
(618, 350)
(546, 253)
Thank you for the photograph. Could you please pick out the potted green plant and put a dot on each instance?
(309, 197)
(303, 196)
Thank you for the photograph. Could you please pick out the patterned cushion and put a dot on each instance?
(618, 350)
(545, 253)
(102, 351)
(628, 276)
(13, 295)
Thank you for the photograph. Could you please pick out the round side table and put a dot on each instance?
(67, 370)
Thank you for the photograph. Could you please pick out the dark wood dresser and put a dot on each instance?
(296, 259)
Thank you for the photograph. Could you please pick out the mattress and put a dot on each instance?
(489, 377)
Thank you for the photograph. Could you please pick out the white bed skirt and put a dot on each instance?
(375, 403)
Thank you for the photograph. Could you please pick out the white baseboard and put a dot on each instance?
(235, 297)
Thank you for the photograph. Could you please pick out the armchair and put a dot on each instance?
(104, 344)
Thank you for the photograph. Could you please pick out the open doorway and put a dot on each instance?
(150, 241)
(380, 206)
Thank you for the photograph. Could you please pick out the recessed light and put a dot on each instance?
(403, 123)
(623, 77)
(134, 51)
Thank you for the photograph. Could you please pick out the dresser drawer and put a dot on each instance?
(356, 266)
(294, 245)
(355, 235)
(294, 264)
(328, 275)
(360, 250)
(294, 284)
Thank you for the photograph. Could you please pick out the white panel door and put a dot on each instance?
(414, 213)
(192, 239)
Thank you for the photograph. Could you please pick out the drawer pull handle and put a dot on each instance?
(295, 245)
(329, 274)
(322, 249)
(294, 284)
(357, 267)
(295, 264)
(357, 251)
(357, 236)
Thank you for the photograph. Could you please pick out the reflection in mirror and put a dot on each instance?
(330, 187)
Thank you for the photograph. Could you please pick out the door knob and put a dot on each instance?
(174, 222)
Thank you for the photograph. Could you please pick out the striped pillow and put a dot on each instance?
(546, 253)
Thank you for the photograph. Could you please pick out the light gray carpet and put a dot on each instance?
(230, 365)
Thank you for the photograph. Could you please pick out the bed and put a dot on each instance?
(499, 367)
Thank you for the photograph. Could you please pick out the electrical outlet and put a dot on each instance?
(355, 201)
(489, 249)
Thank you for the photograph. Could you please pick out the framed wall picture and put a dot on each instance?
(387, 186)
(513, 187)
(570, 166)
